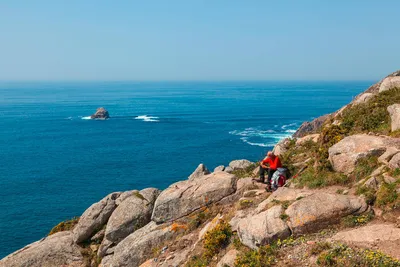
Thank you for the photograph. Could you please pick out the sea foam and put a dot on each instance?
(147, 118)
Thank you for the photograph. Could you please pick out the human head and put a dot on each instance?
(270, 154)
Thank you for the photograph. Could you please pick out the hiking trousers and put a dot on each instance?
(266, 170)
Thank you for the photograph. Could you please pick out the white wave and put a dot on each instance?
(288, 125)
(86, 118)
(290, 131)
(147, 118)
(244, 139)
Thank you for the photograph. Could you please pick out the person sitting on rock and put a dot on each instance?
(273, 163)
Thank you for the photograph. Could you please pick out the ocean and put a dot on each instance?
(56, 162)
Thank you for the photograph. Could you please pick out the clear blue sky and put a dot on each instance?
(199, 40)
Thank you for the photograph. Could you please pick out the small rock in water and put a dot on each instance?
(101, 114)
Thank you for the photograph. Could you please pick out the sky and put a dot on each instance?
(198, 40)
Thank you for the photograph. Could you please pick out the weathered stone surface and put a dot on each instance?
(311, 127)
(345, 154)
(228, 259)
(98, 237)
(372, 183)
(182, 198)
(256, 171)
(394, 112)
(394, 162)
(228, 169)
(363, 98)
(125, 195)
(260, 229)
(389, 83)
(240, 164)
(133, 213)
(101, 114)
(281, 147)
(209, 226)
(318, 210)
(94, 218)
(378, 170)
(385, 237)
(311, 137)
(388, 179)
(283, 194)
(138, 246)
(55, 250)
(200, 171)
(388, 155)
(219, 168)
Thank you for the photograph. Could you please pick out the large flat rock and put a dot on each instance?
(182, 198)
(55, 250)
(260, 229)
(345, 154)
(320, 209)
(384, 236)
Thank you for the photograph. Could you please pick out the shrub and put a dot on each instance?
(364, 167)
(197, 261)
(217, 238)
(313, 178)
(386, 194)
(199, 218)
(64, 226)
(247, 172)
(357, 220)
(245, 203)
(263, 257)
(317, 248)
(372, 115)
(342, 255)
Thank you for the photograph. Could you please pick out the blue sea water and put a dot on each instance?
(55, 162)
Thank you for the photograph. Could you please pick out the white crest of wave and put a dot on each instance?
(86, 118)
(147, 118)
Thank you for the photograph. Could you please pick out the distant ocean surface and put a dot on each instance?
(55, 162)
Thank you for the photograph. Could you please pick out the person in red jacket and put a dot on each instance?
(269, 164)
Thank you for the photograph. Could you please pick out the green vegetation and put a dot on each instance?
(197, 261)
(245, 203)
(90, 257)
(247, 172)
(314, 179)
(365, 166)
(371, 116)
(138, 195)
(395, 172)
(386, 194)
(368, 193)
(199, 218)
(357, 220)
(217, 238)
(319, 247)
(342, 255)
(64, 226)
(263, 257)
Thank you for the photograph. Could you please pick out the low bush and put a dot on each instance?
(372, 115)
(364, 167)
(64, 226)
(313, 178)
(319, 247)
(217, 238)
(263, 257)
(386, 194)
(342, 255)
(247, 172)
(357, 220)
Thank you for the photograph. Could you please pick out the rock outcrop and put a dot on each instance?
(260, 229)
(311, 137)
(101, 114)
(137, 247)
(228, 259)
(55, 250)
(182, 198)
(311, 127)
(394, 112)
(240, 164)
(94, 218)
(132, 214)
(200, 171)
(389, 83)
(320, 209)
(345, 154)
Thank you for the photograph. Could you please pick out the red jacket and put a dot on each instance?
(273, 163)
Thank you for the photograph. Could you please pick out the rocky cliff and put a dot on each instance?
(342, 209)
